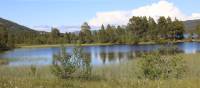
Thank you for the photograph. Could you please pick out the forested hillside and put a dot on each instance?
(191, 25)
(12, 33)
(14, 27)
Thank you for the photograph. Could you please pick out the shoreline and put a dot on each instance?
(58, 45)
(95, 44)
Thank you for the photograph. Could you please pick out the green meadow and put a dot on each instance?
(122, 75)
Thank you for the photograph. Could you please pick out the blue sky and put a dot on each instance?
(74, 12)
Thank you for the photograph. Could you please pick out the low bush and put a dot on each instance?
(67, 66)
(154, 66)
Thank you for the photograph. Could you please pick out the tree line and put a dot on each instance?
(138, 29)
(6, 39)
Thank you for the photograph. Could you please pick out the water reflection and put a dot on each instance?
(190, 48)
(99, 55)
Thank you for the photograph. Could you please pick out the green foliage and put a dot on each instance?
(139, 29)
(67, 66)
(55, 36)
(154, 66)
(3, 38)
(64, 65)
(122, 75)
(197, 30)
(103, 35)
(152, 29)
(11, 41)
(178, 29)
(6, 39)
(162, 27)
(85, 35)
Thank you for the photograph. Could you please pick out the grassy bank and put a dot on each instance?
(3, 61)
(123, 75)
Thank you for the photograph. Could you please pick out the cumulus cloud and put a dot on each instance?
(195, 16)
(114, 17)
(155, 10)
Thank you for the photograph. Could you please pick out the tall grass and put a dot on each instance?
(110, 76)
(3, 61)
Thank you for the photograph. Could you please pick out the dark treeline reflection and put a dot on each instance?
(115, 57)
(108, 56)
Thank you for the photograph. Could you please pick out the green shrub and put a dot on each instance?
(67, 66)
(64, 65)
(154, 66)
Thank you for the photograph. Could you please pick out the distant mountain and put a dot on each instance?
(13, 27)
(62, 28)
(190, 25)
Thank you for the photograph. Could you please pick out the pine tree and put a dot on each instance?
(178, 28)
(85, 34)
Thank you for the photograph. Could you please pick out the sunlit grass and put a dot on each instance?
(3, 61)
(122, 75)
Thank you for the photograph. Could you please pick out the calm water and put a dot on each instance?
(99, 55)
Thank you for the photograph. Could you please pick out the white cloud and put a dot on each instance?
(155, 10)
(195, 16)
(162, 8)
(114, 17)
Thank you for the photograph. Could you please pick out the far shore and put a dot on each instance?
(58, 45)
(95, 44)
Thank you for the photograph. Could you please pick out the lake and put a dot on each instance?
(99, 55)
